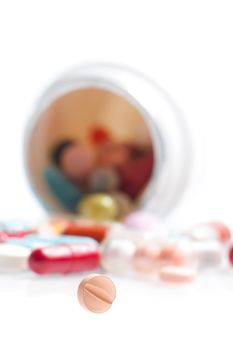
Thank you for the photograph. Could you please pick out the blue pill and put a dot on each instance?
(66, 193)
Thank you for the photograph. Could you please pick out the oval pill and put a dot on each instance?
(177, 274)
(97, 293)
(65, 259)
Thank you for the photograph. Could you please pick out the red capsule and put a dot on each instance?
(5, 235)
(64, 259)
(98, 232)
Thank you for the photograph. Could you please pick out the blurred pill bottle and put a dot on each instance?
(134, 110)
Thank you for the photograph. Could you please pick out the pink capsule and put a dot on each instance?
(77, 162)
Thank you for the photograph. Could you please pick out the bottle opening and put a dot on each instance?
(88, 147)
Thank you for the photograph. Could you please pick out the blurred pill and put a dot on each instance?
(96, 293)
(96, 231)
(63, 190)
(13, 258)
(145, 259)
(175, 253)
(65, 258)
(141, 220)
(99, 135)
(5, 236)
(136, 175)
(77, 162)
(177, 274)
(208, 254)
(210, 231)
(124, 203)
(117, 254)
(114, 155)
(16, 226)
(103, 180)
(98, 207)
(35, 241)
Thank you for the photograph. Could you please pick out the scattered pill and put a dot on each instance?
(13, 258)
(6, 236)
(210, 231)
(65, 258)
(96, 293)
(141, 220)
(96, 231)
(103, 180)
(208, 254)
(177, 274)
(145, 259)
(117, 255)
(35, 241)
(98, 207)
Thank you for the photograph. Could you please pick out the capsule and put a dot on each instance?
(93, 230)
(5, 236)
(64, 259)
(35, 241)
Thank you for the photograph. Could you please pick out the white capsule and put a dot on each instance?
(13, 258)
(117, 254)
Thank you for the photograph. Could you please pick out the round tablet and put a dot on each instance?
(177, 274)
(96, 293)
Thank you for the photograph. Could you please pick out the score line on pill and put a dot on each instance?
(96, 293)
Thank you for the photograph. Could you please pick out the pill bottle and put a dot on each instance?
(133, 109)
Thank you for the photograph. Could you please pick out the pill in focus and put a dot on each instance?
(96, 293)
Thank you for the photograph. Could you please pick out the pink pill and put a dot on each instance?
(177, 274)
(77, 161)
(175, 255)
(142, 220)
(114, 155)
(145, 259)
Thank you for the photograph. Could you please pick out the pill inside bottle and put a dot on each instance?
(100, 148)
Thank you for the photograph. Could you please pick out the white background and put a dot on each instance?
(186, 46)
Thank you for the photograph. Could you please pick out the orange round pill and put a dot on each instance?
(177, 274)
(96, 293)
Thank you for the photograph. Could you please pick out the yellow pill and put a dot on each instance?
(99, 207)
